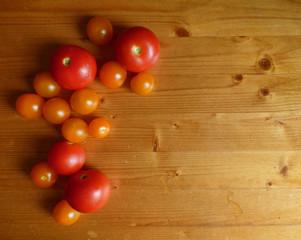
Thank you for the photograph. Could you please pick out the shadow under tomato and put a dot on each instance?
(53, 197)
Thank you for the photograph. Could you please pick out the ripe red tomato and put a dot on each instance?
(64, 214)
(43, 175)
(73, 67)
(30, 105)
(112, 74)
(138, 49)
(142, 83)
(88, 191)
(75, 130)
(66, 158)
(99, 128)
(84, 101)
(99, 30)
(56, 110)
(45, 85)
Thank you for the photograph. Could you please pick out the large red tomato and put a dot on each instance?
(87, 191)
(66, 158)
(73, 67)
(138, 49)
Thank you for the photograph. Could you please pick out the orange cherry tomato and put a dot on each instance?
(43, 175)
(112, 74)
(75, 130)
(99, 128)
(56, 110)
(45, 85)
(99, 30)
(30, 105)
(84, 101)
(64, 214)
(142, 83)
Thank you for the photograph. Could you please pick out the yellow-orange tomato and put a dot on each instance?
(99, 30)
(75, 130)
(56, 110)
(142, 83)
(43, 175)
(30, 105)
(112, 74)
(84, 101)
(64, 214)
(45, 85)
(99, 128)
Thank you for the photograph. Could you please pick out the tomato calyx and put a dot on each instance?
(67, 61)
(83, 177)
(137, 50)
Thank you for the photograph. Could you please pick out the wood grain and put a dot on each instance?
(212, 153)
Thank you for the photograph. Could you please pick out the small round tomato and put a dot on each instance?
(45, 86)
(88, 191)
(30, 105)
(142, 83)
(66, 158)
(75, 130)
(112, 74)
(84, 101)
(73, 67)
(99, 128)
(64, 214)
(138, 49)
(99, 30)
(43, 175)
(56, 110)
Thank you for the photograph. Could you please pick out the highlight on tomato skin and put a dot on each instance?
(42, 175)
(45, 85)
(84, 101)
(75, 130)
(99, 128)
(112, 74)
(30, 105)
(100, 30)
(56, 110)
(64, 214)
(142, 84)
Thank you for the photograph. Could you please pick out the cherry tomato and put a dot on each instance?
(99, 128)
(88, 191)
(84, 101)
(138, 49)
(43, 175)
(73, 67)
(66, 158)
(56, 110)
(30, 105)
(142, 83)
(75, 130)
(99, 30)
(45, 85)
(112, 74)
(64, 214)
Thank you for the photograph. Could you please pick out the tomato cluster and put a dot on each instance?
(137, 49)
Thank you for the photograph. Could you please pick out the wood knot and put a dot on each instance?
(182, 32)
(264, 92)
(265, 64)
(283, 170)
(237, 78)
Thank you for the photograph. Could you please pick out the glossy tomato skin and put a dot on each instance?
(138, 49)
(142, 83)
(66, 158)
(88, 191)
(73, 67)
(112, 74)
(56, 110)
(64, 214)
(75, 130)
(99, 128)
(84, 101)
(100, 30)
(30, 105)
(42, 175)
(45, 85)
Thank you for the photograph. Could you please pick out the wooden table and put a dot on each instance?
(212, 153)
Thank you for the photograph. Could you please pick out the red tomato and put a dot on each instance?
(88, 191)
(99, 30)
(75, 130)
(43, 175)
(30, 105)
(84, 101)
(138, 49)
(73, 67)
(99, 128)
(66, 158)
(64, 214)
(56, 110)
(45, 85)
(112, 74)
(142, 83)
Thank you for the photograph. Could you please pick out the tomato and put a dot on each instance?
(112, 74)
(99, 128)
(64, 214)
(75, 130)
(43, 175)
(99, 30)
(73, 67)
(66, 158)
(142, 83)
(56, 110)
(45, 85)
(30, 105)
(138, 49)
(84, 101)
(88, 191)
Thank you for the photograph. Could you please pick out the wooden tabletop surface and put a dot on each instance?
(214, 152)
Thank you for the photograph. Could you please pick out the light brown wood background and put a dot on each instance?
(214, 152)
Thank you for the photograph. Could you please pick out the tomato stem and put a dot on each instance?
(83, 176)
(67, 61)
(137, 50)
